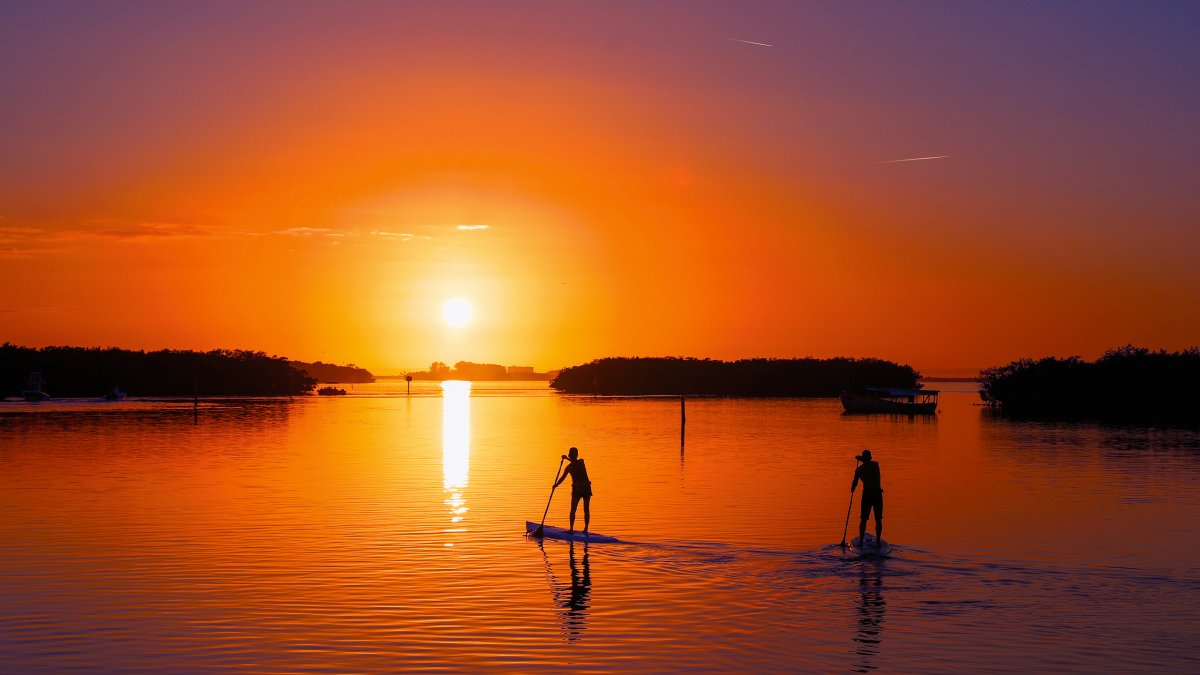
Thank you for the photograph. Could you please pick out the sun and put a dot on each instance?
(457, 312)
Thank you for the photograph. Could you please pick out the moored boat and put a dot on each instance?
(33, 388)
(331, 391)
(888, 400)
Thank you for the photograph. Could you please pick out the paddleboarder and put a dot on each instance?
(581, 487)
(872, 496)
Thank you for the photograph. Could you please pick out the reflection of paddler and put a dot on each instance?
(870, 619)
(581, 584)
(581, 487)
(573, 600)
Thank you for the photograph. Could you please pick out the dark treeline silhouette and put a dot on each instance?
(465, 370)
(749, 377)
(93, 371)
(1130, 384)
(327, 372)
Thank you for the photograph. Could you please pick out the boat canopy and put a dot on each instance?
(902, 392)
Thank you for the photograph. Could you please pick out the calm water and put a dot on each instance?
(377, 532)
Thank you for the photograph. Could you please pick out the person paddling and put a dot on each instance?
(581, 487)
(872, 496)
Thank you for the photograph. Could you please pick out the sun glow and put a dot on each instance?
(457, 312)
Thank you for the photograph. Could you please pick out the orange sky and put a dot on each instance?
(209, 175)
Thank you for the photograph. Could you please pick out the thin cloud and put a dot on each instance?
(472, 228)
(402, 236)
(39, 309)
(914, 159)
(23, 242)
(25, 253)
(27, 243)
(12, 234)
(310, 232)
(147, 231)
(749, 42)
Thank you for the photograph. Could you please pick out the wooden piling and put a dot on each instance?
(682, 420)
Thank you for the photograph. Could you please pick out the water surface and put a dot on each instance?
(378, 531)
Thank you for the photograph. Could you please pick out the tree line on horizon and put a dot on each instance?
(334, 374)
(1128, 384)
(94, 371)
(649, 376)
(466, 370)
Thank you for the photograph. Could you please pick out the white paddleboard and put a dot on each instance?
(551, 532)
(870, 550)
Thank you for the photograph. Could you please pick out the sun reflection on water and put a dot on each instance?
(456, 450)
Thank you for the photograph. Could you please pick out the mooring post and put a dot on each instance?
(682, 420)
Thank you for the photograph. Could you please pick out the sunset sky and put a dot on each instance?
(710, 179)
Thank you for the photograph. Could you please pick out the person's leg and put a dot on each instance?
(574, 505)
(879, 519)
(864, 511)
(587, 513)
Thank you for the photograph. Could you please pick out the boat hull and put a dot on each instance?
(858, 403)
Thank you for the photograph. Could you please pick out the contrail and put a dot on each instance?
(914, 159)
(760, 44)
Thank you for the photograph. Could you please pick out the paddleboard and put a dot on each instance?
(551, 532)
(870, 550)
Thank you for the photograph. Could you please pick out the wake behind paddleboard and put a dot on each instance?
(870, 550)
(551, 532)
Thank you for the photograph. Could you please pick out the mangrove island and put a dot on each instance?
(1125, 385)
(639, 376)
(91, 371)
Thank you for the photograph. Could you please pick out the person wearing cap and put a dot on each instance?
(581, 487)
(872, 496)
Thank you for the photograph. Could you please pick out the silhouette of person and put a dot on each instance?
(581, 487)
(872, 496)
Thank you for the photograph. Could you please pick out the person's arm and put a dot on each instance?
(565, 472)
(854, 483)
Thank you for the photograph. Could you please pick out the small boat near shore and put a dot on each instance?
(33, 389)
(331, 391)
(894, 401)
(115, 395)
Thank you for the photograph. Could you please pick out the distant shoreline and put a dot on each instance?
(676, 376)
(950, 379)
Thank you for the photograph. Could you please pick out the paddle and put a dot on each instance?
(848, 507)
(541, 531)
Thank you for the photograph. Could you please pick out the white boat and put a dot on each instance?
(887, 400)
(33, 388)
